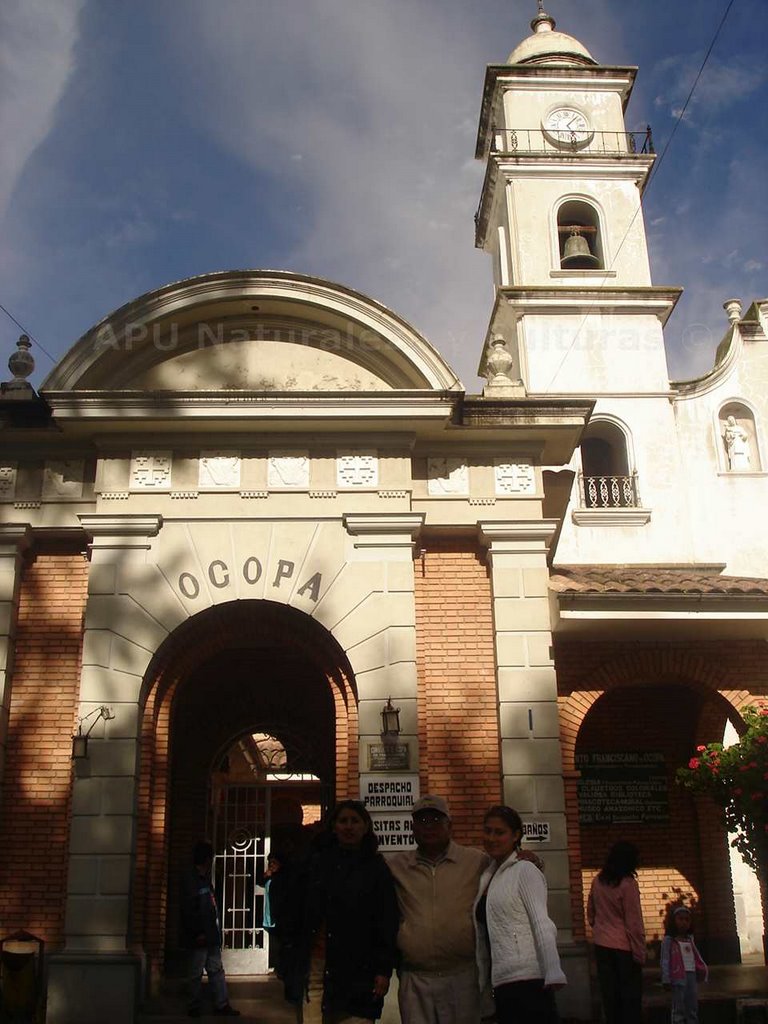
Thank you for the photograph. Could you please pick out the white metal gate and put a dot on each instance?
(241, 830)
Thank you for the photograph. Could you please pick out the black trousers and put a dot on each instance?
(525, 1002)
(621, 985)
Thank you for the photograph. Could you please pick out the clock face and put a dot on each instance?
(566, 126)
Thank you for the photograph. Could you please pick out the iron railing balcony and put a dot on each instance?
(525, 141)
(609, 491)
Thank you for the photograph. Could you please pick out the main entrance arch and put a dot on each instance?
(249, 728)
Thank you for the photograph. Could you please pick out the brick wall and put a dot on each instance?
(666, 698)
(458, 714)
(37, 781)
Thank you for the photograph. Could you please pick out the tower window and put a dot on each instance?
(607, 479)
(578, 230)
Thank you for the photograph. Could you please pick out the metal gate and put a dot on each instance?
(241, 830)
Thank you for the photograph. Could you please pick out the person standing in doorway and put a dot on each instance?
(201, 934)
(682, 967)
(340, 944)
(618, 932)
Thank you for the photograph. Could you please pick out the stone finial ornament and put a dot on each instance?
(499, 363)
(732, 308)
(21, 364)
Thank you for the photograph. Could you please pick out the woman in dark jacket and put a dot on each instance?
(346, 920)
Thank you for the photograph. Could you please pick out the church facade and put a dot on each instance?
(262, 551)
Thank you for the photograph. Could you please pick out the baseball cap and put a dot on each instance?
(431, 803)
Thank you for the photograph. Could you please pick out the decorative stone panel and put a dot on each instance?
(219, 471)
(288, 469)
(447, 476)
(150, 471)
(357, 469)
(514, 477)
(63, 478)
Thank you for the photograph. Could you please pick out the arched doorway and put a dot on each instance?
(629, 745)
(249, 731)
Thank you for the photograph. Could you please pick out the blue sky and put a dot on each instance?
(145, 142)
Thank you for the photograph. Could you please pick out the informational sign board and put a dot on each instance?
(536, 832)
(622, 786)
(389, 799)
(389, 792)
(387, 757)
(394, 832)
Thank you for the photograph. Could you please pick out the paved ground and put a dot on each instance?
(261, 999)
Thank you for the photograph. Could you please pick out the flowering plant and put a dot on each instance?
(736, 778)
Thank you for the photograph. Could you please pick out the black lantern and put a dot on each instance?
(390, 719)
(80, 739)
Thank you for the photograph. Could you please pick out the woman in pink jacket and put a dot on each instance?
(613, 911)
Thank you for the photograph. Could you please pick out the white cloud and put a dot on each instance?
(721, 84)
(37, 40)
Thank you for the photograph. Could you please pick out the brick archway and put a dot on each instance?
(243, 626)
(664, 697)
(657, 665)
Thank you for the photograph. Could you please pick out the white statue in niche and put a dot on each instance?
(736, 441)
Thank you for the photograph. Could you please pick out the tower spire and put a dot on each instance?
(543, 22)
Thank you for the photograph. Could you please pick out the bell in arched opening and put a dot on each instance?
(576, 254)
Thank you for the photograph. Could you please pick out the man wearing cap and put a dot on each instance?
(436, 888)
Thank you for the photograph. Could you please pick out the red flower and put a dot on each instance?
(757, 796)
(700, 749)
(694, 763)
(738, 791)
(762, 739)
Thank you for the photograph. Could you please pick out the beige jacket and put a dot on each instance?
(437, 930)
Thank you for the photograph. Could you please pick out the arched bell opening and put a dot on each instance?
(579, 237)
(249, 732)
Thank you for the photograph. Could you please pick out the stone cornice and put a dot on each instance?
(15, 538)
(121, 526)
(367, 523)
(516, 536)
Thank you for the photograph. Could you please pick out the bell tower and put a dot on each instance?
(560, 215)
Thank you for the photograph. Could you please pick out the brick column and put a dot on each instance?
(15, 538)
(531, 762)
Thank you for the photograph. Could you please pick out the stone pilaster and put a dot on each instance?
(383, 657)
(96, 978)
(527, 690)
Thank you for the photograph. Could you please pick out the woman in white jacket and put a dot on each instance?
(516, 941)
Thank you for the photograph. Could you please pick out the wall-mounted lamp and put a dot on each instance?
(390, 719)
(80, 739)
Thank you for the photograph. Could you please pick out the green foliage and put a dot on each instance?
(737, 779)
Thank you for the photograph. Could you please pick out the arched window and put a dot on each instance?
(580, 241)
(738, 439)
(608, 479)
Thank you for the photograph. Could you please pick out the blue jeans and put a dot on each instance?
(685, 1000)
(207, 958)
